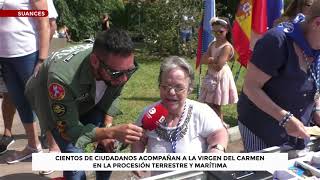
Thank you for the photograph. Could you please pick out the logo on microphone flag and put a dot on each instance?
(154, 117)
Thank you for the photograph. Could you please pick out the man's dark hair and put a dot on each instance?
(114, 41)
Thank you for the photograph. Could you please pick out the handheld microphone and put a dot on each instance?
(150, 121)
(155, 115)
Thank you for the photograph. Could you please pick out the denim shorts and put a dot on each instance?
(186, 35)
(3, 87)
(16, 72)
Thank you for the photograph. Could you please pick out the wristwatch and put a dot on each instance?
(218, 147)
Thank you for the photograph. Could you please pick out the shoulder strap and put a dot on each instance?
(211, 43)
(232, 49)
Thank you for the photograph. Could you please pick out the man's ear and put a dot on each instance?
(94, 61)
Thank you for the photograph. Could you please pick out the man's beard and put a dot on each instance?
(108, 83)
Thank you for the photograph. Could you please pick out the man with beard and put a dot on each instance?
(75, 88)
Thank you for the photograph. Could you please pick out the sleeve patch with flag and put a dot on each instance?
(56, 91)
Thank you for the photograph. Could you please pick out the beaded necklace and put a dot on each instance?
(294, 31)
(315, 73)
(176, 134)
(306, 60)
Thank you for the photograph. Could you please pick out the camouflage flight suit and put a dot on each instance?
(64, 90)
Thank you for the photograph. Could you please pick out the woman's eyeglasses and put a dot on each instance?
(116, 74)
(176, 89)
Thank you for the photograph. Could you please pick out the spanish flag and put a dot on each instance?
(251, 22)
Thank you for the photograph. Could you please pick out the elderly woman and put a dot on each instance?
(190, 126)
(281, 89)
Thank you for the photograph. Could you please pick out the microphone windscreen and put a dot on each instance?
(154, 116)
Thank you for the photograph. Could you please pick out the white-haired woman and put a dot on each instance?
(190, 126)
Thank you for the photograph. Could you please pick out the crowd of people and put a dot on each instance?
(74, 92)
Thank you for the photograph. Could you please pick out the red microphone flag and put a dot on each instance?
(154, 116)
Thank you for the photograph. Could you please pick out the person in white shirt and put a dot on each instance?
(190, 126)
(22, 52)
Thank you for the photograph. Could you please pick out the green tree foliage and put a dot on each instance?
(156, 22)
(83, 18)
(227, 8)
(160, 22)
(65, 15)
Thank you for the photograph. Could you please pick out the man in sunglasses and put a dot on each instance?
(75, 88)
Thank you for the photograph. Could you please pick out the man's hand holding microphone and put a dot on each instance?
(130, 133)
(112, 136)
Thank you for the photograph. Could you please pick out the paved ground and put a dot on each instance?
(23, 171)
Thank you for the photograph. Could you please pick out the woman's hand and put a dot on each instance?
(37, 68)
(295, 128)
(210, 60)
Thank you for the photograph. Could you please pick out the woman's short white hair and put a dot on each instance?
(174, 62)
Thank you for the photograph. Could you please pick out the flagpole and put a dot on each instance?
(199, 82)
(232, 64)
(208, 13)
(237, 74)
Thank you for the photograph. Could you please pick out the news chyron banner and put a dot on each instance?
(160, 162)
(23, 13)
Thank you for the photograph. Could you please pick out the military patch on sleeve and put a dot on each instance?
(59, 109)
(56, 91)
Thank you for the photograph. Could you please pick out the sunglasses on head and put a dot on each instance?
(114, 74)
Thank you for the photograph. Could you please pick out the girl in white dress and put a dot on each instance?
(218, 86)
